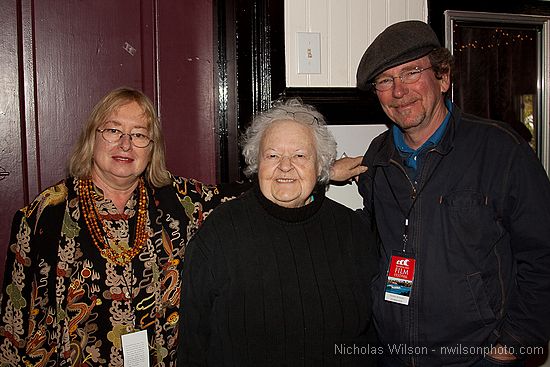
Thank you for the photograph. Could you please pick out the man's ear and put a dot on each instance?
(445, 82)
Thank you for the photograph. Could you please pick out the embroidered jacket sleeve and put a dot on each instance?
(26, 303)
(199, 199)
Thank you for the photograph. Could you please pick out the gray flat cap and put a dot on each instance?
(399, 43)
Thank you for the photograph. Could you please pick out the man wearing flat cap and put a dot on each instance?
(462, 207)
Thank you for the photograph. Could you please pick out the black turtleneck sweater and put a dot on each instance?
(271, 286)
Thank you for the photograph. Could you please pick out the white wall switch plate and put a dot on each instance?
(309, 52)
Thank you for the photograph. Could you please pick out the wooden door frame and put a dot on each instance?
(251, 74)
(249, 37)
(251, 70)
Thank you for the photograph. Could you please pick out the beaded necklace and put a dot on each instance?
(98, 230)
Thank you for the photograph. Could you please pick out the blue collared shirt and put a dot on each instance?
(411, 156)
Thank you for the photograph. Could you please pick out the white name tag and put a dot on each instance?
(135, 349)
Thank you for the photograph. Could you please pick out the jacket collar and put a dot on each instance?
(388, 151)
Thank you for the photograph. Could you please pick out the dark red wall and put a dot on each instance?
(186, 89)
(59, 57)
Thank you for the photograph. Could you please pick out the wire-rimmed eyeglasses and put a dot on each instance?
(301, 116)
(113, 135)
(407, 77)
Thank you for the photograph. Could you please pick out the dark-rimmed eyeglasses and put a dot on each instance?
(407, 77)
(113, 135)
(301, 116)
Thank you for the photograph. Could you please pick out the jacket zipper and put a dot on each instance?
(413, 195)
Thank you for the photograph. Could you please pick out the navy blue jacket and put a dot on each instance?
(480, 233)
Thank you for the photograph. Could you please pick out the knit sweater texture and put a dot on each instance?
(271, 286)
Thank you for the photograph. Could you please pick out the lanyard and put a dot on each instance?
(407, 213)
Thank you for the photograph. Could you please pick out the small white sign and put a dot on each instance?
(135, 349)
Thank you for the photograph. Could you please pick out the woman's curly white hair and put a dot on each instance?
(292, 109)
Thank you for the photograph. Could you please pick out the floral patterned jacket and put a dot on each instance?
(63, 304)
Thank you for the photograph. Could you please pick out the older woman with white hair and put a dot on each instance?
(281, 276)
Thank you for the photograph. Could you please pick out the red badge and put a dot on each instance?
(400, 279)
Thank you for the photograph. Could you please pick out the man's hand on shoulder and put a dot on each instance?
(346, 168)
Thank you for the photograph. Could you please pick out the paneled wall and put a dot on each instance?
(57, 58)
(347, 27)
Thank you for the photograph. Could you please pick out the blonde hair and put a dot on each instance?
(81, 161)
